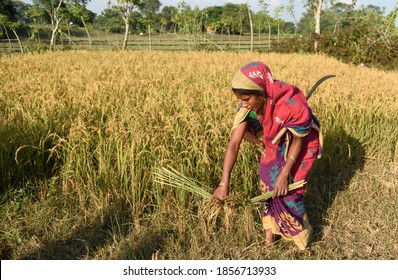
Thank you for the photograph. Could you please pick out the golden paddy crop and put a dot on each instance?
(83, 133)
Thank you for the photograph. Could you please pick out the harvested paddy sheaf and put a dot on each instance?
(83, 133)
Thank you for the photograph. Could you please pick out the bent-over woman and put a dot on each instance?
(266, 106)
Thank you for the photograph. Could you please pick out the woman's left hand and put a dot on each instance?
(281, 186)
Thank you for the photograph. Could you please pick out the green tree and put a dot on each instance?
(79, 14)
(214, 15)
(55, 10)
(110, 21)
(6, 23)
(251, 25)
(369, 39)
(7, 8)
(183, 18)
(265, 15)
(277, 15)
(13, 15)
(343, 14)
(15, 10)
(126, 9)
(316, 7)
(306, 24)
(290, 9)
(165, 17)
(230, 16)
(149, 10)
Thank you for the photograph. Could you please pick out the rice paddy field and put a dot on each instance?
(83, 135)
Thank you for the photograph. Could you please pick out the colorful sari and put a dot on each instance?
(286, 106)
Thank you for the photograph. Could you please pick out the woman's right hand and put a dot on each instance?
(221, 193)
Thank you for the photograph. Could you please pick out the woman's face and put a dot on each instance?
(252, 102)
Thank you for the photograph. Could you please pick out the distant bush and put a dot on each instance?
(294, 45)
(361, 43)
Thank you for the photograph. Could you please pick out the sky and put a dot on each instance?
(97, 6)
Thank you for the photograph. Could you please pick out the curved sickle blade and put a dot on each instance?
(320, 81)
(283, 130)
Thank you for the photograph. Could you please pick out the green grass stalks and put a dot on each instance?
(175, 179)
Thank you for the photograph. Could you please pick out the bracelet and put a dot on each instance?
(293, 159)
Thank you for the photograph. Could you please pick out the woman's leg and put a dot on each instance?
(269, 237)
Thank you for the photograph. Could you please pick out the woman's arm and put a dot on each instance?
(281, 183)
(248, 136)
(231, 154)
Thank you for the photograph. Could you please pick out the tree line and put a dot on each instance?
(321, 19)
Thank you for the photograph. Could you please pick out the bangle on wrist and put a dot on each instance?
(293, 159)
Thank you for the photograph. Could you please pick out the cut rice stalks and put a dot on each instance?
(268, 195)
(173, 178)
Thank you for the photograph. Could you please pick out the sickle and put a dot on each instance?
(314, 87)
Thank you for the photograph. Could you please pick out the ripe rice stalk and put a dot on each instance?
(173, 178)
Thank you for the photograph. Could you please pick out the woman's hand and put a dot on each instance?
(221, 193)
(281, 183)
(281, 186)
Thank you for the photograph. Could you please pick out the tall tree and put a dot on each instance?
(166, 15)
(290, 9)
(251, 26)
(214, 15)
(126, 9)
(316, 7)
(343, 15)
(7, 8)
(264, 6)
(81, 14)
(149, 10)
(110, 21)
(55, 10)
(6, 23)
(183, 18)
(278, 13)
(230, 16)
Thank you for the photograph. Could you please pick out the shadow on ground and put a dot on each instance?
(343, 156)
(114, 230)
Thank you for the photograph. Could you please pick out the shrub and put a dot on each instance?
(361, 43)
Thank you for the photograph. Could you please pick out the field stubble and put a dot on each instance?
(83, 132)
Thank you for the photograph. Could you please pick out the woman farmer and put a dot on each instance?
(276, 105)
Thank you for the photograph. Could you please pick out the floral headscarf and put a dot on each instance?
(286, 105)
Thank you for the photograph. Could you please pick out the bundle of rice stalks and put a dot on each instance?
(175, 179)
(268, 195)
